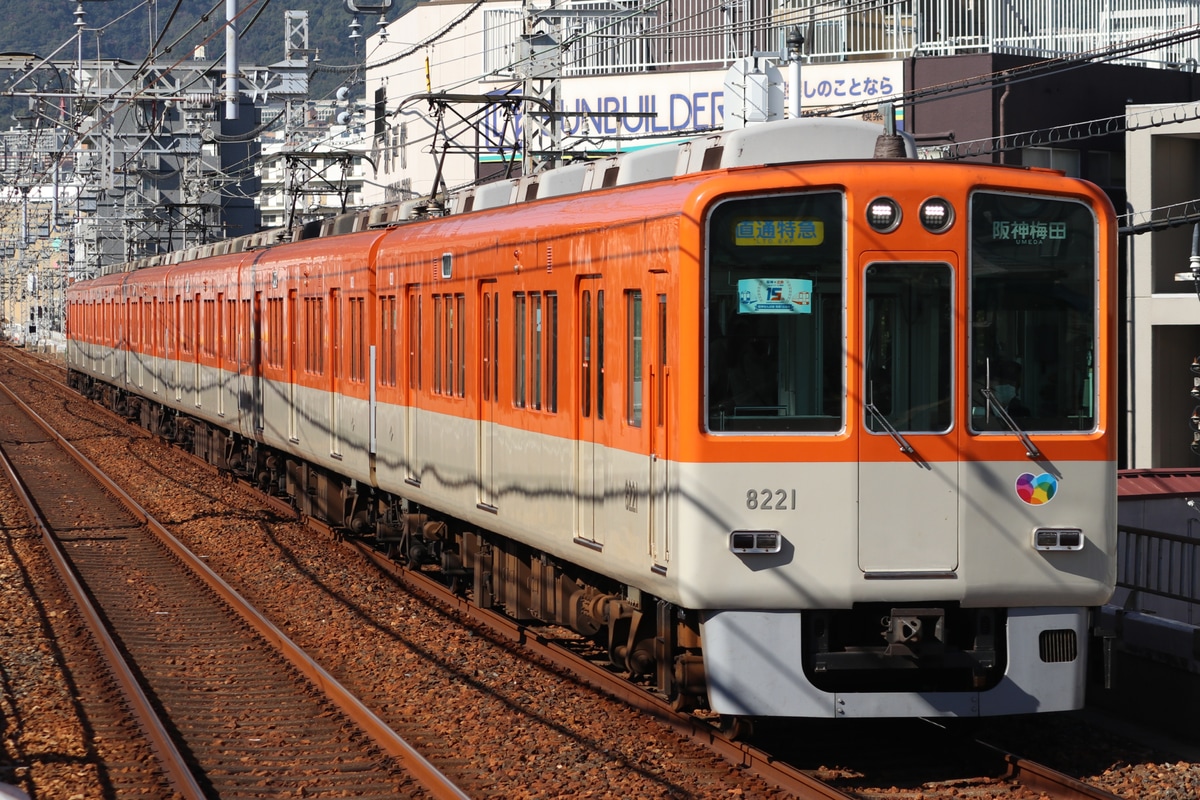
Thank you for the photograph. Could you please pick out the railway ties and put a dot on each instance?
(496, 723)
(224, 711)
(369, 637)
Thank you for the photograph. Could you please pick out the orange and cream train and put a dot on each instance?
(790, 429)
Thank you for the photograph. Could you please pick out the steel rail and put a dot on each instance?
(388, 740)
(1052, 782)
(760, 763)
(174, 766)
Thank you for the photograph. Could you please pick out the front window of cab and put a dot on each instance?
(774, 321)
(1033, 268)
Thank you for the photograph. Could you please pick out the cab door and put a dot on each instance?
(908, 465)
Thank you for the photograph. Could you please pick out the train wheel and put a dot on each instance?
(683, 702)
(735, 728)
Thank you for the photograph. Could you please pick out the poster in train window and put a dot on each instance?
(774, 296)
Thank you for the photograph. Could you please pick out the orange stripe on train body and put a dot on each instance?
(650, 237)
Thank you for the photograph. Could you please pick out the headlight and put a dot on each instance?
(937, 215)
(883, 214)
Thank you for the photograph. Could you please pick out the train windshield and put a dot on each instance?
(774, 335)
(909, 347)
(1033, 313)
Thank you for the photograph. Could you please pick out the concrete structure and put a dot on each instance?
(1163, 165)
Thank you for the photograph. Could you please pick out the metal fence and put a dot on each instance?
(1157, 563)
(658, 34)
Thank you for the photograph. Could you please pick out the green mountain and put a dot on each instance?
(130, 29)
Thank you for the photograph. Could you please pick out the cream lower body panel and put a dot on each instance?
(754, 663)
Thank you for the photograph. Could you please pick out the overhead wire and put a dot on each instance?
(1074, 131)
(135, 76)
(743, 27)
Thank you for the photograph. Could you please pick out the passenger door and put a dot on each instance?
(414, 346)
(589, 459)
(489, 390)
(659, 415)
(293, 325)
(907, 444)
(256, 364)
(336, 372)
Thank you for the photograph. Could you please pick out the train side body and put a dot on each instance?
(570, 374)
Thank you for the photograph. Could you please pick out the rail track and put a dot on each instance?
(230, 708)
(932, 751)
(1005, 771)
(502, 726)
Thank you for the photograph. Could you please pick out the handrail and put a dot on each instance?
(696, 32)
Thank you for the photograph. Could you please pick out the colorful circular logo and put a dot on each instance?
(1036, 489)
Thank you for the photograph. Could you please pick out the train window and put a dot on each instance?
(230, 348)
(414, 341)
(774, 339)
(449, 344)
(248, 343)
(208, 339)
(193, 323)
(599, 354)
(460, 305)
(336, 336)
(314, 326)
(551, 352)
(275, 338)
(437, 344)
(1033, 268)
(585, 372)
(187, 325)
(662, 359)
(389, 332)
(909, 347)
(358, 339)
(519, 345)
(535, 349)
(633, 359)
(489, 340)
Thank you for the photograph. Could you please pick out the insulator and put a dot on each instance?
(199, 100)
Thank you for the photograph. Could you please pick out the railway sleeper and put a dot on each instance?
(648, 638)
(651, 640)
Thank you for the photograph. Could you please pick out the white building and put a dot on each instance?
(319, 173)
(627, 75)
(620, 79)
(1163, 174)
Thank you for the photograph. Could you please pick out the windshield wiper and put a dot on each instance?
(1030, 448)
(905, 447)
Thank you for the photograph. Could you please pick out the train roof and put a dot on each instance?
(783, 141)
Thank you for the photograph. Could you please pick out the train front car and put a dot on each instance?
(901, 498)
